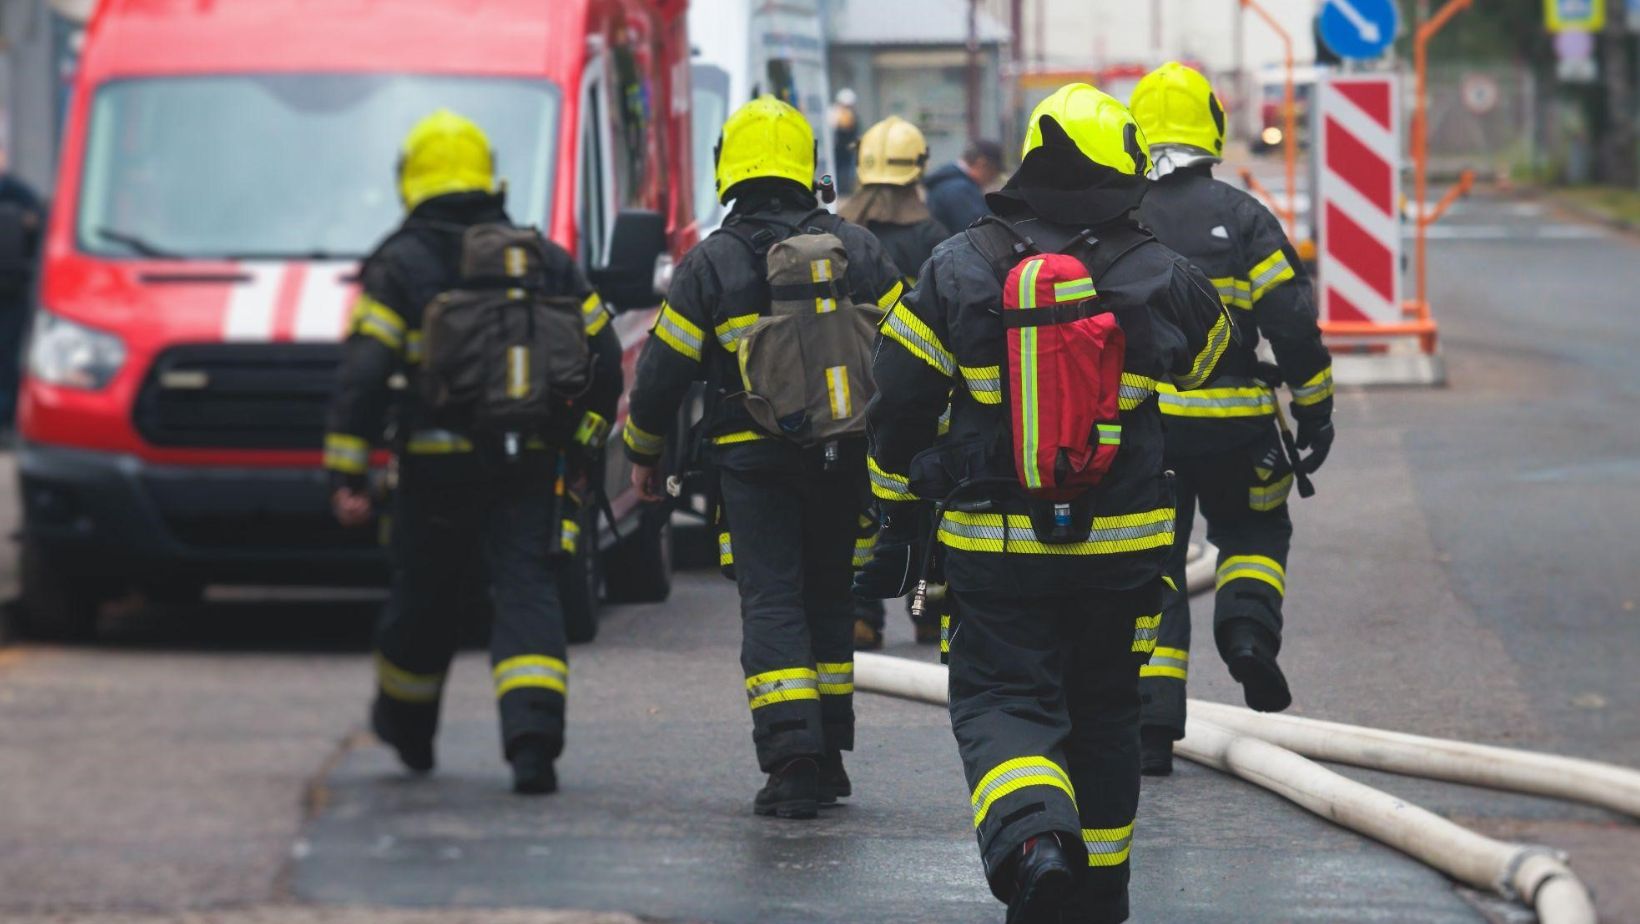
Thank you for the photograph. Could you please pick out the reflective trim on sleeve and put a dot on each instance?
(412, 348)
(1251, 401)
(641, 441)
(678, 332)
(1270, 272)
(1318, 389)
(569, 536)
(1134, 390)
(594, 314)
(1145, 631)
(1217, 339)
(1108, 846)
(782, 686)
(1013, 775)
(726, 550)
(374, 319)
(437, 443)
(836, 679)
(984, 532)
(1237, 293)
(863, 547)
(945, 631)
(739, 436)
(347, 453)
(406, 687)
(1173, 663)
(909, 331)
(887, 485)
(888, 299)
(733, 328)
(984, 383)
(1252, 567)
(1266, 497)
(534, 671)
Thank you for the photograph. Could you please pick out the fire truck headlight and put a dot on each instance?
(64, 353)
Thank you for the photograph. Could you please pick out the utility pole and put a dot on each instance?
(1156, 31)
(1617, 143)
(973, 70)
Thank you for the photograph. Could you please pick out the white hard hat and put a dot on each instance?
(846, 97)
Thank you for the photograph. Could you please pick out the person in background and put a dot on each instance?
(891, 158)
(22, 219)
(956, 192)
(845, 134)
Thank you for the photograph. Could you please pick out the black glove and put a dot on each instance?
(1316, 435)
(896, 560)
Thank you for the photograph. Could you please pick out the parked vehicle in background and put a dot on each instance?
(224, 167)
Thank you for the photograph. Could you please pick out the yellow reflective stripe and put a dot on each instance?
(1030, 438)
(405, 686)
(1251, 401)
(905, 328)
(888, 299)
(437, 442)
(1270, 272)
(887, 485)
(412, 347)
(726, 550)
(1252, 567)
(534, 671)
(984, 532)
(1170, 585)
(782, 686)
(678, 332)
(984, 383)
(1145, 631)
(820, 271)
(1237, 293)
(374, 319)
(1270, 496)
(1134, 390)
(944, 425)
(347, 453)
(1108, 846)
(842, 405)
(739, 436)
(641, 441)
(835, 678)
(733, 328)
(1318, 389)
(1013, 775)
(569, 536)
(1167, 662)
(594, 315)
(1074, 290)
(1218, 337)
(863, 547)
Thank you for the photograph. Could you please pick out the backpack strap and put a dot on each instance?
(1002, 244)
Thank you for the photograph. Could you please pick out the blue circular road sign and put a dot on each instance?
(1359, 28)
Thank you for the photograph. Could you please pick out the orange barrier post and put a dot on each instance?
(1420, 166)
(1289, 107)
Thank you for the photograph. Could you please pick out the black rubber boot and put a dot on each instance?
(1250, 652)
(533, 772)
(1155, 752)
(415, 750)
(1043, 880)
(834, 781)
(793, 790)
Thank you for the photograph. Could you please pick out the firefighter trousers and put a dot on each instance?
(1045, 708)
(1242, 494)
(794, 526)
(445, 537)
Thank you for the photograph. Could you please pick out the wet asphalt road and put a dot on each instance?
(1467, 570)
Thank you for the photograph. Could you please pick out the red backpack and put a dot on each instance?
(1063, 372)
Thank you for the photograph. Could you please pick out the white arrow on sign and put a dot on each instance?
(1367, 28)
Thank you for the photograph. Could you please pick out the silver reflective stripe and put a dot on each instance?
(1323, 387)
(889, 483)
(1271, 272)
(1026, 534)
(753, 691)
(1142, 634)
(688, 337)
(1044, 769)
(930, 351)
(837, 681)
(1157, 659)
(530, 670)
(1195, 399)
(1230, 572)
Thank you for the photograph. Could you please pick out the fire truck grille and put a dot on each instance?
(239, 395)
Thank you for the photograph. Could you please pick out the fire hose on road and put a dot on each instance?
(1269, 751)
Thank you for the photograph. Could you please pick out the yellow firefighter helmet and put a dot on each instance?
(1102, 128)
(1175, 104)
(444, 153)
(764, 138)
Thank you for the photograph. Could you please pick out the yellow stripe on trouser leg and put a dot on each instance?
(1266, 497)
(782, 686)
(1013, 775)
(1167, 662)
(1145, 631)
(540, 671)
(835, 678)
(726, 550)
(1108, 846)
(405, 686)
(1254, 568)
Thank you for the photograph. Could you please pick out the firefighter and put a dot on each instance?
(892, 155)
(792, 512)
(1056, 605)
(1223, 441)
(462, 504)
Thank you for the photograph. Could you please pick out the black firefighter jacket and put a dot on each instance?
(946, 341)
(1241, 247)
(407, 270)
(718, 292)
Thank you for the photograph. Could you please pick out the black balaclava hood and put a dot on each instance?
(1059, 184)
